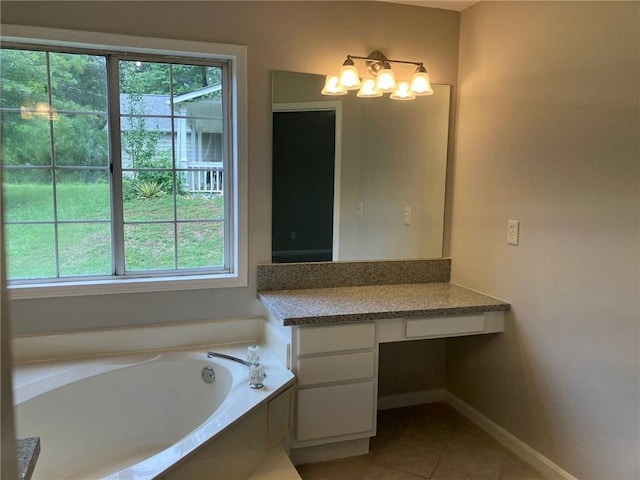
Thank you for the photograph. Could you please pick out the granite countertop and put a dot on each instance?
(28, 450)
(320, 306)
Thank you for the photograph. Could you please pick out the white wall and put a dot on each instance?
(547, 133)
(310, 37)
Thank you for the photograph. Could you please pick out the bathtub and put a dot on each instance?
(133, 416)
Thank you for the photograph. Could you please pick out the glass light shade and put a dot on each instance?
(349, 78)
(420, 84)
(332, 86)
(402, 92)
(369, 89)
(386, 80)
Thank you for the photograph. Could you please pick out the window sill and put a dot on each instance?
(124, 285)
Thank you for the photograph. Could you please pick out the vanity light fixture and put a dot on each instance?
(383, 81)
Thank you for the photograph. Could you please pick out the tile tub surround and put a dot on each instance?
(376, 302)
(293, 276)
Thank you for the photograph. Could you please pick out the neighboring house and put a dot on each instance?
(196, 134)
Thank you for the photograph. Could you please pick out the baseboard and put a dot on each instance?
(508, 440)
(412, 398)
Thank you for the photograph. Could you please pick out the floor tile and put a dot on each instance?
(470, 457)
(447, 473)
(430, 427)
(467, 431)
(351, 468)
(409, 457)
(429, 441)
(378, 472)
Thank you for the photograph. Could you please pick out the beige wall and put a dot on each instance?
(547, 133)
(310, 37)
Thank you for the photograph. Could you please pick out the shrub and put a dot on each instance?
(148, 190)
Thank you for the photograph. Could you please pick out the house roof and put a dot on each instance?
(157, 109)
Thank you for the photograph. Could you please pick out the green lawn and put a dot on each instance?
(85, 248)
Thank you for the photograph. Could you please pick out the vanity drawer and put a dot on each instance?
(336, 410)
(335, 338)
(335, 368)
(444, 326)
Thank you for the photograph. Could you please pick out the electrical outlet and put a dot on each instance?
(407, 215)
(513, 232)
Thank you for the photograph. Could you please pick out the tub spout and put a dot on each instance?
(228, 357)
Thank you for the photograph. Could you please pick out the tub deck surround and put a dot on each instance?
(324, 306)
(55, 376)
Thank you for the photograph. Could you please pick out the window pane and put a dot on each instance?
(24, 78)
(148, 196)
(30, 251)
(83, 194)
(84, 249)
(146, 142)
(25, 141)
(28, 194)
(188, 79)
(144, 88)
(55, 153)
(78, 82)
(81, 140)
(149, 246)
(200, 206)
(200, 244)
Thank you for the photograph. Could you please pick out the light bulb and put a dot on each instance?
(386, 80)
(402, 92)
(369, 89)
(420, 84)
(332, 86)
(349, 77)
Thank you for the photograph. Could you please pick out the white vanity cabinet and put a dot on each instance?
(329, 338)
(336, 368)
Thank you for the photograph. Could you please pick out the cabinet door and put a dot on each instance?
(336, 410)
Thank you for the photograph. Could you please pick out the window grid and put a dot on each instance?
(115, 168)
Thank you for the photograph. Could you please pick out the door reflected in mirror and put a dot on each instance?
(356, 178)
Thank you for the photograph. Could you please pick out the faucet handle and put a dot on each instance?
(253, 354)
(256, 376)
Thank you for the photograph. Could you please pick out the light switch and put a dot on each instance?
(407, 215)
(513, 232)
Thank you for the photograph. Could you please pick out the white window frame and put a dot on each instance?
(236, 55)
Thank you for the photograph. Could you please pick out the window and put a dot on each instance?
(119, 167)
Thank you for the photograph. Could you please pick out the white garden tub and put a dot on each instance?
(134, 416)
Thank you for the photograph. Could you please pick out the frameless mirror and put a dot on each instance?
(356, 178)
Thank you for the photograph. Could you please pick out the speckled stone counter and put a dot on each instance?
(323, 306)
(28, 451)
(288, 276)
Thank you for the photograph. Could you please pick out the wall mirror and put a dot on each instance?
(356, 178)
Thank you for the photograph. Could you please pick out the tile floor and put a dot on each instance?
(429, 441)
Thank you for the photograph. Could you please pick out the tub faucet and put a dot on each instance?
(256, 371)
(228, 357)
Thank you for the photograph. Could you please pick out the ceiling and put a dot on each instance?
(457, 5)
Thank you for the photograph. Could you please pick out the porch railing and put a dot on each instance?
(204, 177)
